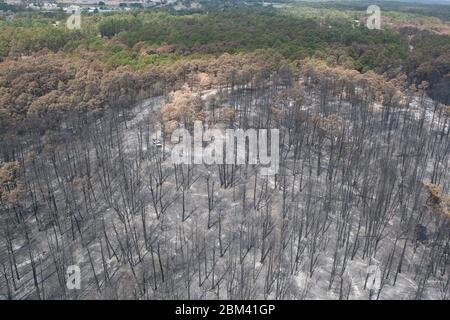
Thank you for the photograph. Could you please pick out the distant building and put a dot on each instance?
(43, 6)
(49, 6)
(83, 2)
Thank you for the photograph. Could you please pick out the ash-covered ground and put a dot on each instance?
(359, 208)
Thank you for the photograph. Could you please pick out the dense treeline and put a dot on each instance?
(430, 61)
(162, 37)
(6, 7)
(248, 30)
(46, 88)
(408, 9)
(215, 32)
(25, 35)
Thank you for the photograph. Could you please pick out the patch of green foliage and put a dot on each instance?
(297, 32)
